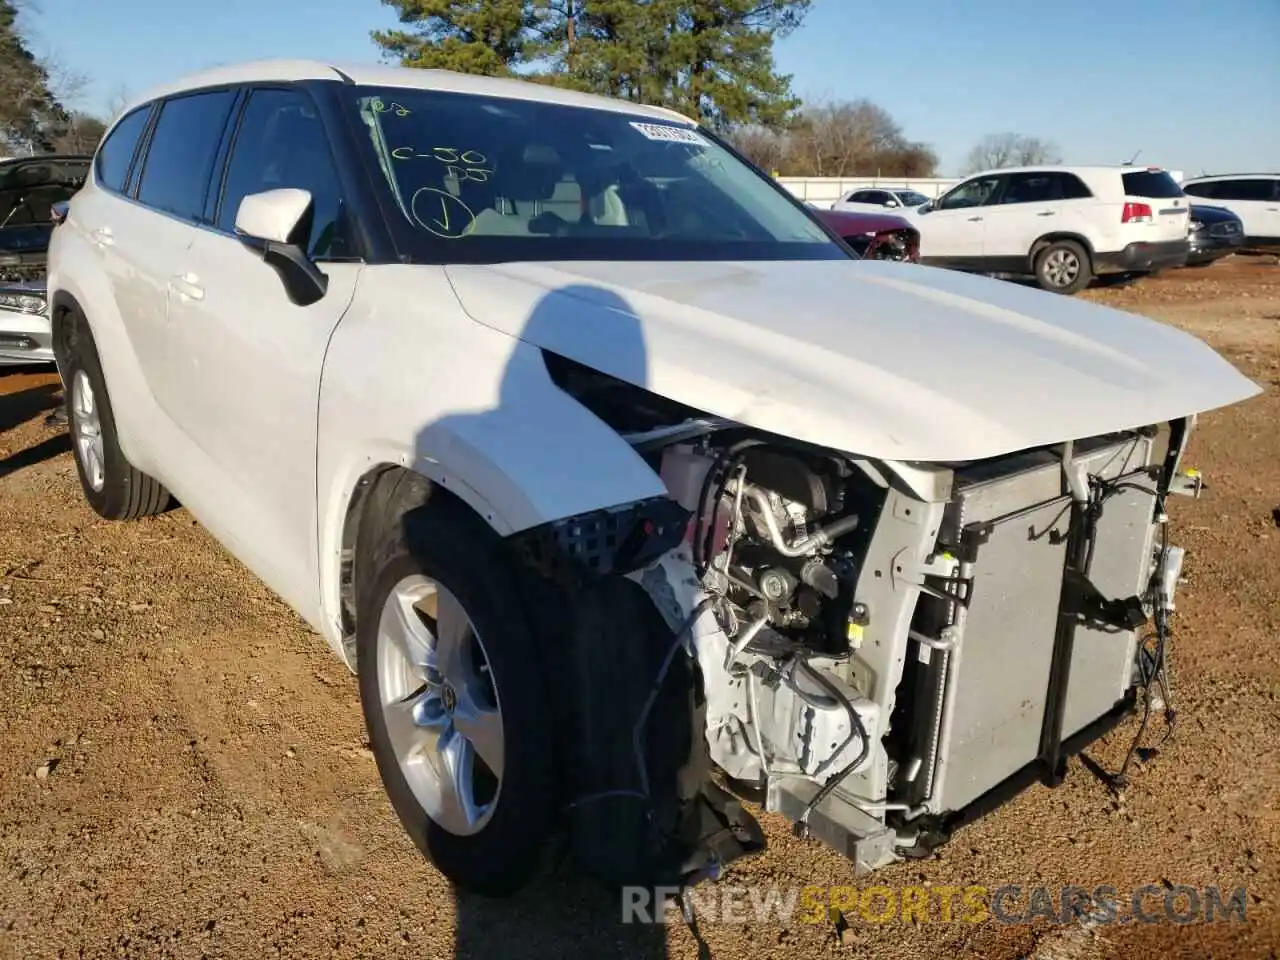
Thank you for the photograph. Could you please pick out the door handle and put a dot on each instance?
(187, 285)
(102, 236)
(1046, 213)
(975, 219)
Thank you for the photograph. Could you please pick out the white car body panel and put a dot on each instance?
(467, 406)
(958, 233)
(890, 361)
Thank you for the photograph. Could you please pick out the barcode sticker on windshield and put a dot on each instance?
(672, 134)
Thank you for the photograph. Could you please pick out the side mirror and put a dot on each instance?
(927, 206)
(277, 224)
(58, 212)
(891, 203)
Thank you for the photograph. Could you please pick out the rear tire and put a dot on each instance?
(115, 488)
(1063, 267)
(487, 830)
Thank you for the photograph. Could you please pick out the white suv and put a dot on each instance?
(604, 464)
(1061, 225)
(1254, 198)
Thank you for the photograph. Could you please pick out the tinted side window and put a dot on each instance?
(116, 153)
(180, 158)
(1071, 187)
(971, 193)
(1209, 189)
(282, 143)
(1246, 189)
(860, 196)
(1030, 188)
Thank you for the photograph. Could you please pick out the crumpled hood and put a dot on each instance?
(848, 222)
(887, 360)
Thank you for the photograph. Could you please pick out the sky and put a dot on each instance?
(1192, 84)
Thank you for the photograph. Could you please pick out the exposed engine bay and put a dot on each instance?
(885, 651)
(901, 245)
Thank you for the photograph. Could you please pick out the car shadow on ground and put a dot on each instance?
(562, 914)
(18, 405)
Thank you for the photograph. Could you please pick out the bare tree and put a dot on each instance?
(118, 101)
(79, 135)
(838, 139)
(997, 150)
(766, 148)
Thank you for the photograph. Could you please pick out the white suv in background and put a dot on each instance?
(880, 199)
(1253, 197)
(1061, 225)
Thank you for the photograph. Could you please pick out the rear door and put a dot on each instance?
(151, 229)
(1170, 207)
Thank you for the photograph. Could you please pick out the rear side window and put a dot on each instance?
(1152, 184)
(180, 158)
(1209, 189)
(1043, 188)
(1255, 189)
(116, 153)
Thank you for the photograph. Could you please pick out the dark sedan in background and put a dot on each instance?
(1214, 232)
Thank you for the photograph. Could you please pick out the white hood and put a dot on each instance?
(885, 360)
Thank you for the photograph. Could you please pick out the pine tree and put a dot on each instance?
(28, 109)
(710, 59)
(471, 36)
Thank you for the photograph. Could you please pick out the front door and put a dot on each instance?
(249, 360)
(953, 231)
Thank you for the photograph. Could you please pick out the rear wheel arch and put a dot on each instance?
(1050, 238)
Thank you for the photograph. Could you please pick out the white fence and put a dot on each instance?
(824, 191)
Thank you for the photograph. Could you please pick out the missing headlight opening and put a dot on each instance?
(886, 651)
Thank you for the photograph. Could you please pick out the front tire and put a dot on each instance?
(452, 697)
(114, 487)
(1063, 267)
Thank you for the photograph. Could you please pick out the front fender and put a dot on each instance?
(471, 408)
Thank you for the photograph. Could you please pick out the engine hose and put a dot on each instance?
(836, 778)
(723, 464)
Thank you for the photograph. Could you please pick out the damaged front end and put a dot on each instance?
(878, 651)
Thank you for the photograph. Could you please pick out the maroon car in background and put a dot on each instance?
(874, 236)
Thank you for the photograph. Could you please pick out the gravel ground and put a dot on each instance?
(184, 774)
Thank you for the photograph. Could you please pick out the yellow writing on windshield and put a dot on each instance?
(450, 155)
(379, 106)
(441, 213)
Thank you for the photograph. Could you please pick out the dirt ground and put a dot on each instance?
(183, 770)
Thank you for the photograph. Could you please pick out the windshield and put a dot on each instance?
(910, 198)
(470, 178)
